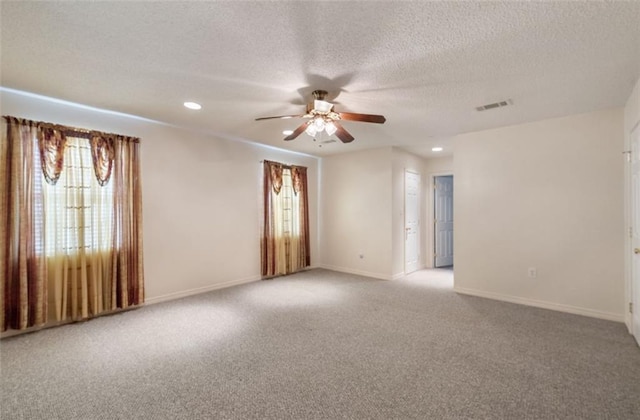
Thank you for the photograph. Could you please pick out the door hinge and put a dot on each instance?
(631, 231)
(630, 307)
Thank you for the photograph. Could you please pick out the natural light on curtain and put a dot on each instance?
(71, 223)
(79, 236)
(285, 239)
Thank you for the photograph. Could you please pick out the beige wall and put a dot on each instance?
(356, 212)
(439, 166)
(549, 195)
(201, 197)
(363, 211)
(632, 109)
(631, 121)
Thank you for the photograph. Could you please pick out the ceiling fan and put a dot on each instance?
(322, 117)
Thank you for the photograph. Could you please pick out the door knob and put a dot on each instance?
(636, 250)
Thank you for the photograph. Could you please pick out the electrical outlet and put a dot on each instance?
(533, 272)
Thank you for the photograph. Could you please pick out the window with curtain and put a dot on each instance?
(72, 220)
(78, 211)
(78, 216)
(285, 235)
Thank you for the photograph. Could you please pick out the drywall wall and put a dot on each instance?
(632, 109)
(631, 122)
(356, 212)
(403, 161)
(201, 196)
(548, 195)
(439, 166)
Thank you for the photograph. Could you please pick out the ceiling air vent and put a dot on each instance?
(494, 105)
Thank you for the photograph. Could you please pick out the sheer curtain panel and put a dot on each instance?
(79, 236)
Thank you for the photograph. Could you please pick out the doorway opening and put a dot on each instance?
(443, 221)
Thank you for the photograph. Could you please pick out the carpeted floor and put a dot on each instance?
(325, 345)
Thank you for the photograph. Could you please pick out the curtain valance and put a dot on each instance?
(52, 140)
(275, 170)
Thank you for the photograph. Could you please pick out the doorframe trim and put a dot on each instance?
(404, 221)
(431, 243)
(628, 240)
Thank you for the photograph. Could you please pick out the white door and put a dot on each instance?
(635, 229)
(411, 222)
(443, 221)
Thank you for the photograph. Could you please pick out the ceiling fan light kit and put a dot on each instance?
(322, 117)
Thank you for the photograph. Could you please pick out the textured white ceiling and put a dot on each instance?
(424, 65)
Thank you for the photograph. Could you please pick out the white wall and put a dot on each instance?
(632, 109)
(547, 194)
(631, 121)
(356, 212)
(439, 166)
(201, 197)
(363, 211)
(403, 161)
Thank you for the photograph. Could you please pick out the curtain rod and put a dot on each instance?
(284, 165)
(67, 130)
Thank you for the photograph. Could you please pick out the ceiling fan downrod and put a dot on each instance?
(319, 95)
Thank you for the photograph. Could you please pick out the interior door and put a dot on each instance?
(411, 221)
(443, 221)
(635, 231)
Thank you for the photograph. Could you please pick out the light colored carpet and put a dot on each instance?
(324, 345)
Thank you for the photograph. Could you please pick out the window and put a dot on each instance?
(285, 238)
(78, 211)
(73, 246)
(286, 215)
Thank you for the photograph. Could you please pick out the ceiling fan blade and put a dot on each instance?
(342, 134)
(280, 117)
(350, 116)
(297, 131)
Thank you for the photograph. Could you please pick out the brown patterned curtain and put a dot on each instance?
(128, 274)
(285, 234)
(23, 268)
(275, 173)
(102, 154)
(299, 180)
(52, 144)
(89, 176)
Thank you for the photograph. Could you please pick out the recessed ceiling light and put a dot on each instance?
(192, 105)
(436, 149)
(287, 132)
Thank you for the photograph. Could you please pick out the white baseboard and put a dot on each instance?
(397, 276)
(628, 322)
(356, 272)
(542, 304)
(198, 290)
